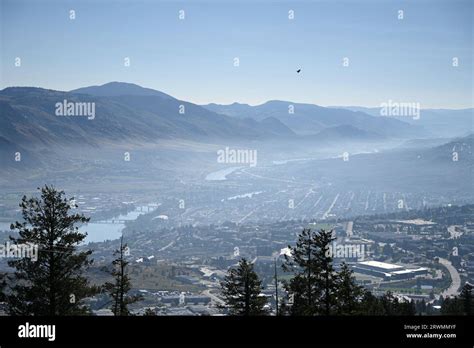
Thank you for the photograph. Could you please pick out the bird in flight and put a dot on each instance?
(298, 71)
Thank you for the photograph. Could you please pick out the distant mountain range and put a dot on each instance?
(459, 150)
(444, 168)
(128, 113)
(123, 113)
(437, 122)
(129, 116)
(117, 89)
(306, 119)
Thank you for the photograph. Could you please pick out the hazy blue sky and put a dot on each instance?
(406, 60)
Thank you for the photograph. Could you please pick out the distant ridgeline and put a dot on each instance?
(449, 214)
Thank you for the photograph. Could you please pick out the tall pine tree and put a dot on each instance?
(119, 289)
(466, 298)
(302, 288)
(349, 295)
(3, 284)
(459, 305)
(53, 284)
(327, 276)
(312, 290)
(241, 289)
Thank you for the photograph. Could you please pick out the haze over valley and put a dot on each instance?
(204, 139)
(328, 162)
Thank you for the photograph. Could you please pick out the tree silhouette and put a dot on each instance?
(119, 289)
(312, 290)
(54, 283)
(241, 289)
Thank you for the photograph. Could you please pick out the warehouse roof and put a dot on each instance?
(382, 265)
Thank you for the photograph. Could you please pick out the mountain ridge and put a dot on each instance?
(310, 119)
(128, 112)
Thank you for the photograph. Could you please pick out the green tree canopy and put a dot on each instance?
(312, 290)
(119, 288)
(54, 283)
(241, 289)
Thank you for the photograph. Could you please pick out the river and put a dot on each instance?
(221, 174)
(101, 230)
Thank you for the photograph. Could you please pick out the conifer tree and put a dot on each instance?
(301, 288)
(119, 289)
(466, 298)
(312, 290)
(54, 283)
(349, 295)
(3, 285)
(459, 305)
(241, 289)
(327, 276)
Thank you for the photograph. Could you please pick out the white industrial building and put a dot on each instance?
(388, 271)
